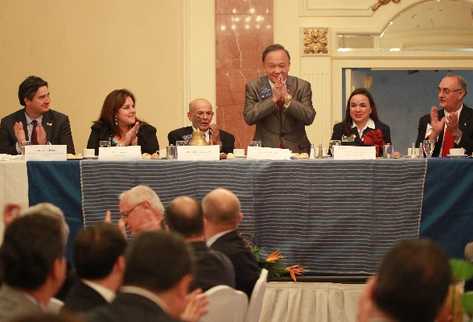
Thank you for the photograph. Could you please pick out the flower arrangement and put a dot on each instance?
(460, 303)
(273, 264)
(376, 138)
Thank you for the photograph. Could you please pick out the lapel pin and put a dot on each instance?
(49, 124)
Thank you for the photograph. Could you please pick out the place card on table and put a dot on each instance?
(198, 152)
(46, 152)
(353, 152)
(265, 153)
(132, 152)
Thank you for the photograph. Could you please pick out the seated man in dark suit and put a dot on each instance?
(184, 216)
(222, 216)
(452, 125)
(157, 277)
(411, 285)
(201, 114)
(33, 263)
(36, 123)
(100, 264)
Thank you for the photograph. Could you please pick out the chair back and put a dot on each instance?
(256, 300)
(225, 304)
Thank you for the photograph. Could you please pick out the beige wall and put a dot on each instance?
(87, 48)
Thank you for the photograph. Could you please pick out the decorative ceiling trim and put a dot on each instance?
(380, 3)
(324, 8)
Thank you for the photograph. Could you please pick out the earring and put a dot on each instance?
(115, 120)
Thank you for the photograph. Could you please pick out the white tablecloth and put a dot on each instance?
(310, 302)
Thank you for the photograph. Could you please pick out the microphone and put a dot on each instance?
(469, 252)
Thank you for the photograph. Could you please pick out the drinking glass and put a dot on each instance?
(181, 143)
(171, 152)
(388, 151)
(331, 143)
(428, 147)
(22, 147)
(105, 143)
(255, 143)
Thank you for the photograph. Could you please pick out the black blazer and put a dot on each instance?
(130, 308)
(185, 133)
(56, 125)
(339, 131)
(146, 137)
(244, 262)
(212, 267)
(82, 298)
(465, 124)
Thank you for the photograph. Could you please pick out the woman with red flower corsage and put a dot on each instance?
(361, 122)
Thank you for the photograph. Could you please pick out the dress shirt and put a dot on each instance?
(106, 293)
(212, 239)
(369, 125)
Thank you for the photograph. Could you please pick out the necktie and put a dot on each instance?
(448, 143)
(34, 134)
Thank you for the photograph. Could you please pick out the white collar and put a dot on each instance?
(146, 294)
(457, 111)
(39, 119)
(214, 238)
(369, 124)
(106, 293)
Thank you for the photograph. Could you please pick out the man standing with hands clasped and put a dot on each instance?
(280, 105)
(451, 126)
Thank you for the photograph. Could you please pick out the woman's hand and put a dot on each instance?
(131, 137)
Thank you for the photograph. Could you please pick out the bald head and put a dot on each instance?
(200, 113)
(184, 216)
(221, 206)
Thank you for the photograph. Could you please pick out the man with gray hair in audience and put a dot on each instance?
(222, 215)
(32, 261)
(141, 209)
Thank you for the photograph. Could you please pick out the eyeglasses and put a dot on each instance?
(126, 214)
(447, 91)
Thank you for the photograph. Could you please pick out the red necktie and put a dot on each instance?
(34, 133)
(448, 143)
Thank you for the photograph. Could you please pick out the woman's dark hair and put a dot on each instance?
(113, 102)
(348, 121)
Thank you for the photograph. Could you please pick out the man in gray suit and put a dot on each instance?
(279, 105)
(32, 262)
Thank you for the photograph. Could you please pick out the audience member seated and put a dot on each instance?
(411, 285)
(119, 125)
(100, 265)
(184, 216)
(157, 277)
(36, 123)
(32, 263)
(222, 216)
(361, 118)
(201, 114)
(452, 125)
(141, 209)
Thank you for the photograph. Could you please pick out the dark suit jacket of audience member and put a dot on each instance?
(244, 262)
(185, 133)
(338, 132)
(465, 124)
(146, 137)
(82, 298)
(212, 267)
(130, 308)
(56, 125)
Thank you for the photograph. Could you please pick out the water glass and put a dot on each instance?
(388, 151)
(171, 152)
(22, 146)
(255, 143)
(331, 143)
(428, 147)
(105, 143)
(181, 143)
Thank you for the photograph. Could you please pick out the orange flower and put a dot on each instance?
(295, 270)
(274, 257)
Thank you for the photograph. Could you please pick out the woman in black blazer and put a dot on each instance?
(119, 125)
(361, 125)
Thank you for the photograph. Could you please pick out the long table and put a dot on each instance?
(336, 217)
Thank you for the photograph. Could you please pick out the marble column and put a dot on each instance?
(243, 29)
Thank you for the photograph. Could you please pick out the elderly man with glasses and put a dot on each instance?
(141, 209)
(451, 126)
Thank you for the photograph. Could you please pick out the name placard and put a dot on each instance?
(351, 152)
(198, 153)
(132, 152)
(264, 153)
(46, 152)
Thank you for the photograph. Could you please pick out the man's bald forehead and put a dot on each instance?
(199, 102)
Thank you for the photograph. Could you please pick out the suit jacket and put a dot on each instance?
(130, 308)
(465, 124)
(56, 125)
(339, 131)
(280, 127)
(212, 267)
(14, 303)
(146, 137)
(82, 298)
(185, 134)
(244, 262)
